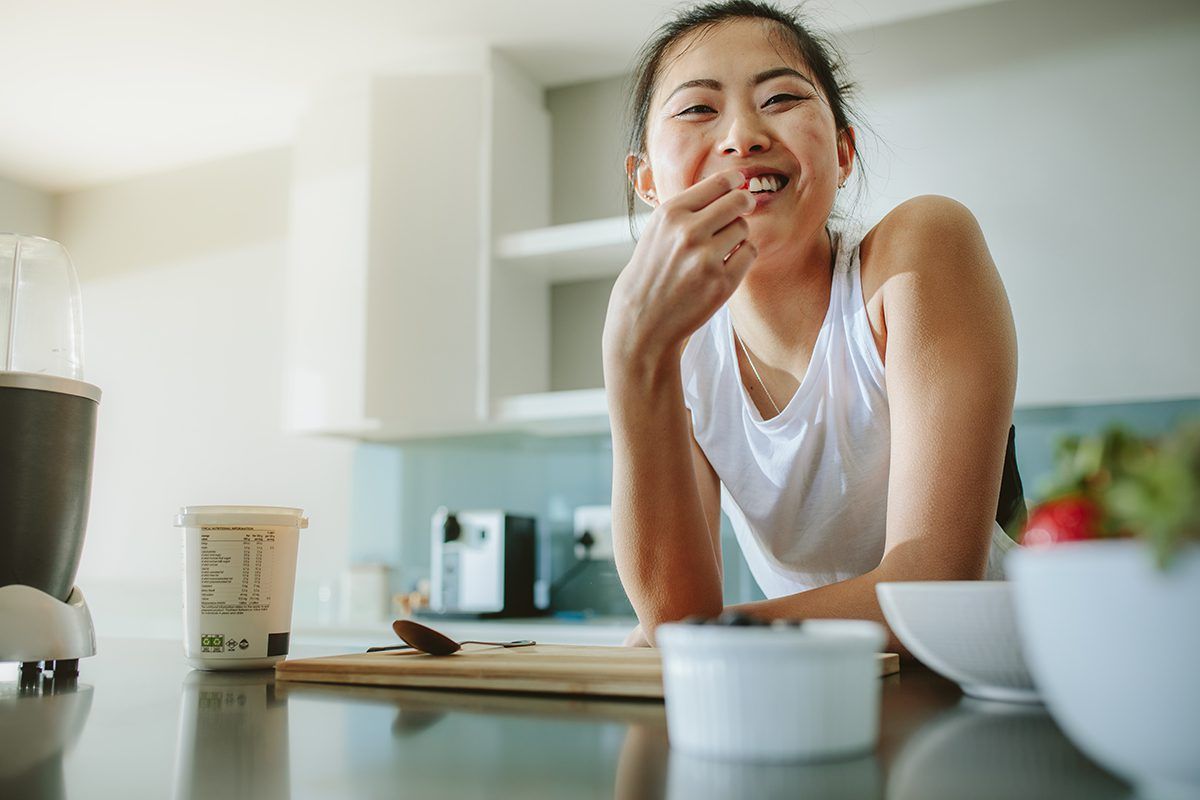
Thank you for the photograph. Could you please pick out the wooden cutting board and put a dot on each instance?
(542, 668)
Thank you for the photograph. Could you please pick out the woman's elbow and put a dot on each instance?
(650, 619)
(901, 564)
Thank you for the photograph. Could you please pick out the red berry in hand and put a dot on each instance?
(1069, 519)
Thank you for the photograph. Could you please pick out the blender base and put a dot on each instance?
(36, 627)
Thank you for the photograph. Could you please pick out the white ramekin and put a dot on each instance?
(772, 694)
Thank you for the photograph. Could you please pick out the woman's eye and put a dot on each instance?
(698, 109)
(781, 98)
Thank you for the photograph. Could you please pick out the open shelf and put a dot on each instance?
(577, 251)
(576, 411)
(559, 254)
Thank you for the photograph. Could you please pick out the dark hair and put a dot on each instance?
(818, 54)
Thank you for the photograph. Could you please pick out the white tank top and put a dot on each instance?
(806, 491)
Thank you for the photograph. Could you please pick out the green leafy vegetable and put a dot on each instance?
(1147, 488)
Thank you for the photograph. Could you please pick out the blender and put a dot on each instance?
(47, 433)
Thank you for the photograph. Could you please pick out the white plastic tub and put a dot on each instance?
(772, 694)
(239, 581)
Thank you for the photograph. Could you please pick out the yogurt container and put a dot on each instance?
(239, 578)
(772, 693)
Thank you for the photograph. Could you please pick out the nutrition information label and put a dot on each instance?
(236, 570)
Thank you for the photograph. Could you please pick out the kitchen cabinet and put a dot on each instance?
(422, 265)
(393, 316)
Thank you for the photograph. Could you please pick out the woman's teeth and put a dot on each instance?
(766, 183)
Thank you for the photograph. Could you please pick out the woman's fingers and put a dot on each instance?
(701, 194)
(702, 210)
(729, 237)
(700, 229)
(724, 210)
(740, 260)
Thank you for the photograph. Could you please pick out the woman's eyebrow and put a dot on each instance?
(781, 72)
(703, 83)
(762, 77)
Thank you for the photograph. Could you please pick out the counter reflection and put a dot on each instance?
(982, 749)
(39, 721)
(649, 768)
(233, 737)
(438, 743)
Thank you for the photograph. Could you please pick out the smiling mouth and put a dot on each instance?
(766, 184)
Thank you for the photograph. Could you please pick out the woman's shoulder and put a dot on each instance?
(929, 231)
(926, 233)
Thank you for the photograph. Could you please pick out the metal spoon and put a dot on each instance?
(427, 640)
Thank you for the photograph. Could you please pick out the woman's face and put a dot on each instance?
(733, 97)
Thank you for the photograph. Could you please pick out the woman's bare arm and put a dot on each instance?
(709, 487)
(663, 549)
(690, 259)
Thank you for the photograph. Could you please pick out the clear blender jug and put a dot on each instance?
(47, 434)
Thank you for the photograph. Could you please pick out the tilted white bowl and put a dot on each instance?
(963, 630)
(1114, 643)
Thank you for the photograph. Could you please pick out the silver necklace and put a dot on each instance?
(749, 360)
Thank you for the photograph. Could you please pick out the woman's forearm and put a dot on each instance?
(855, 598)
(849, 599)
(690, 258)
(660, 540)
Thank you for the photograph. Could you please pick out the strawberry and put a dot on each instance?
(1073, 518)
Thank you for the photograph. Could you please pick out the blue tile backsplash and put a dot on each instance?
(398, 487)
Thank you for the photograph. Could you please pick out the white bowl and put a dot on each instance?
(963, 630)
(772, 694)
(1114, 643)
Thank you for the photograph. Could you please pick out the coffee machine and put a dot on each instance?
(484, 564)
(47, 434)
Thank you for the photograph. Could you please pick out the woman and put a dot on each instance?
(747, 342)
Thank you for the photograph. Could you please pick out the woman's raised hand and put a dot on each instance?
(689, 260)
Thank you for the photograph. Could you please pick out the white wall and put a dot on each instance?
(24, 209)
(1066, 126)
(182, 279)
